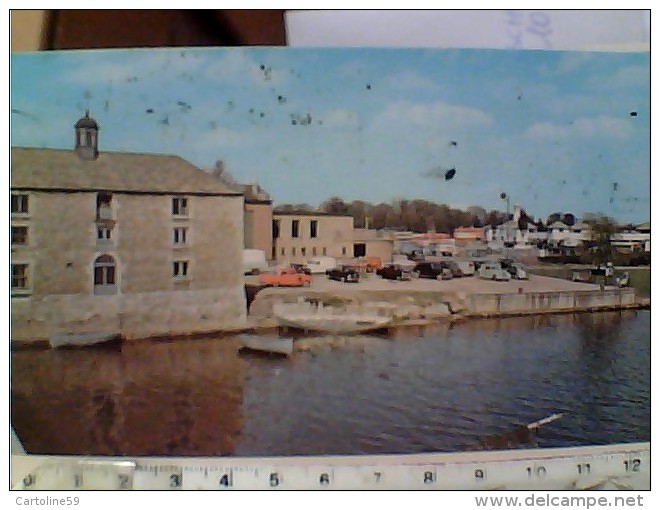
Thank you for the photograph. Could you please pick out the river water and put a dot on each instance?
(417, 390)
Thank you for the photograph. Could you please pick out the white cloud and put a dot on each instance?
(432, 114)
(594, 127)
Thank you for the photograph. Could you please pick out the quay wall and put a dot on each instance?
(415, 305)
(544, 302)
(139, 315)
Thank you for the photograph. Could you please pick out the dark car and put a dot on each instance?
(456, 271)
(394, 272)
(432, 270)
(301, 268)
(344, 274)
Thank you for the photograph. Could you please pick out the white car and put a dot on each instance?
(493, 271)
(320, 265)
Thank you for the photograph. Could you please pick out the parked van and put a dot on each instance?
(321, 264)
(254, 261)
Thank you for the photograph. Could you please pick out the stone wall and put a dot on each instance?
(138, 315)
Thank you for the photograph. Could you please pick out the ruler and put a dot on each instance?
(620, 466)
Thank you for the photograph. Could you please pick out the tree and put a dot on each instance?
(569, 219)
(602, 229)
(552, 218)
(334, 205)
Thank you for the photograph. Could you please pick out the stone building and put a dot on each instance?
(137, 244)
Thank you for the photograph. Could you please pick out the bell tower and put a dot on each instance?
(87, 137)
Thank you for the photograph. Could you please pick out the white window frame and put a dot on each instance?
(107, 230)
(27, 235)
(104, 287)
(181, 269)
(180, 236)
(180, 207)
(27, 289)
(23, 200)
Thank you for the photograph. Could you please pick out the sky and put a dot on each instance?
(555, 131)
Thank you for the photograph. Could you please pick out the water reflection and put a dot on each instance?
(444, 388)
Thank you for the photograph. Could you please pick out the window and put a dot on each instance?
(314, 250)
(276, 229)
(19, 235)
(343, 250)
(293, 251)
(294, 227)
(103, 206)
(103, 233)
(325, 251)
(180, 206)
(19, 276)
(313, 228)
(180, 268)
(180, 235)
(104, 275)
(19, 203)
(303, 251)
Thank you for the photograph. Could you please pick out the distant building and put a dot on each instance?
(301, 235)
(258, 219)
(136, 244)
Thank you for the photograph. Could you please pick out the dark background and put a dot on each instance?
(77, 29)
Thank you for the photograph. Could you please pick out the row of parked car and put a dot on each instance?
(299, 275)
(502, 270)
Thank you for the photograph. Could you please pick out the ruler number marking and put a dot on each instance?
(324, 479)
(274, 479)
(540, 471)
(123, 481)
(428, 477)
(377, 474)
(77, 481)
(632, 464)
(29, 480)
(479, 474)
(584, 469)
(175, 480)
(225, 481)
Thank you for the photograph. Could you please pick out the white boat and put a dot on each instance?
(267, 344)
(84, 339)
(328, 319)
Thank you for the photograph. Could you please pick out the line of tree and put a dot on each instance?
(413, 215)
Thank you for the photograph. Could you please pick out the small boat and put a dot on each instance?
(84, 339)
(267, 344)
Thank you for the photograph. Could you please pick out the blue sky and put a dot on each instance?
(554, 130)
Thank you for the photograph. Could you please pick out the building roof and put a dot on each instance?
(86, 122)
(254, 194)
(558, 224)
(309, 213)
(644, 226)
(63, 170)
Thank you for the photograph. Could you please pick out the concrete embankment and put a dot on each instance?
(407, 306)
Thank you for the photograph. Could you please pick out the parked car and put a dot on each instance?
(344, 274)
(301, 268)
(432, 270)
(518, 271)
(320, 265)
(456, 271)
(285, 277)
(493, 271)
(403, 261)
(394, 272)
(467, 267)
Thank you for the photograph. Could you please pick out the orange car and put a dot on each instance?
(287, 277)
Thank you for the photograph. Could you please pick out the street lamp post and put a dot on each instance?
(505, 196)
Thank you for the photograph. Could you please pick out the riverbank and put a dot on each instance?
(420, 302)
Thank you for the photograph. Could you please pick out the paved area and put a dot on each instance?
(468, 285)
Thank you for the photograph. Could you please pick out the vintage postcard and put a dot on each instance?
(260, 251)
